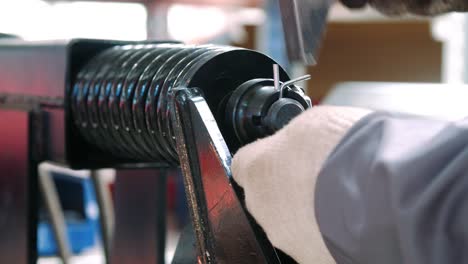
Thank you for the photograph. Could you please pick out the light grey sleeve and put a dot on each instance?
(420, 7)
(395, 190)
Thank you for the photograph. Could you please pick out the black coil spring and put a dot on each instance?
(119, 100)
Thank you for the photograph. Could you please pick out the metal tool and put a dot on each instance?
(291, 82)
(304, 23)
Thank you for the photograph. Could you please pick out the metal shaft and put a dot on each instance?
(57, 219)
(106, 212)
(304, 24)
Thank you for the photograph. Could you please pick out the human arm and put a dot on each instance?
(393, 190)
(418, 7)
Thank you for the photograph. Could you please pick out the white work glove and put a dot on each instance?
(278, 175)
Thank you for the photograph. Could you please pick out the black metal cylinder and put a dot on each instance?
(255, 109)
(120, 99)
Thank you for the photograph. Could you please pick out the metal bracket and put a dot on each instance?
(223, 229)
(20, 155)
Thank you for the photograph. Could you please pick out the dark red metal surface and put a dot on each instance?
(17, 193)
(20, 66)
(140, 228)
(41, 72)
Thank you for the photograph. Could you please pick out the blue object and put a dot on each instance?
(81, 216)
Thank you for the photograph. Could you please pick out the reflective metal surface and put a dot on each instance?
(106, 212)
(113, 105)
(222, 228)
(257, 109)
(304, 23)
(18, 189)
(140, 208)
(120, 104)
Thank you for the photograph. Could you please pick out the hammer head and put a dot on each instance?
(304, 23)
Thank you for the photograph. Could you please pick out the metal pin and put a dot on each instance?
(293, 81)
(276, 77)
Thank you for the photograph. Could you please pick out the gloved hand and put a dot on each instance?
(419, 7)
(278, 175)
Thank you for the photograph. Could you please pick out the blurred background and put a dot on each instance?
(360, 46)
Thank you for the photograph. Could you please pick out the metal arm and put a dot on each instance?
(223, 231)
(304, 24)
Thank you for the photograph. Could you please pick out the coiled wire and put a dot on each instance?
(119, 100)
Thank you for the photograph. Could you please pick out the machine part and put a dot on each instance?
(276, 77)
(140, 213)
(285, 109)
(173, 79)
(128, 92)
(281, 113)
(304, 23)
(96, 84)
(80, 92)
(21, 150)
(57, 218)
(140, 96)
(255, 109)
(154, 105)
(222, 228)
(111, 104)
(120, 71)
(120, 99)
(291, 82)
(106, 212)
